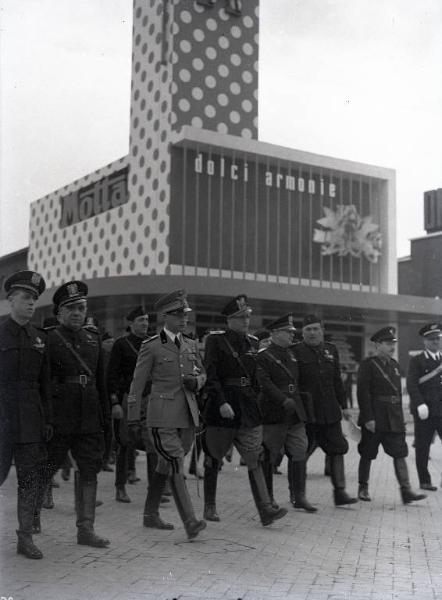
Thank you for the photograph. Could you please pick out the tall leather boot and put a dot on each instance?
(42, 482)
(86, 495)
(327, 467)
(184, 505)
(338, 480)
(299, 468)
(266, 512)
(363, 477)
(210, 482)
(407, 494)
(151, 464)
(151, 517)
(48, 499)
(290, 480)
(26, 504)
(267, 469)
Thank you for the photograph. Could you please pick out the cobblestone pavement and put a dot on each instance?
(379, 551)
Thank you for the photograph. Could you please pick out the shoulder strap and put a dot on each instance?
(75, 354)
(131, 346)
(236, 356)
(430, 375)
(279, 363)
(385, 376)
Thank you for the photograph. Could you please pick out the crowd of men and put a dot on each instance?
(60, 398)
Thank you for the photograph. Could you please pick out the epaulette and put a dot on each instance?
(261, 350)
(216, 332)
(91, 329)
(253, 337)
(154, 337)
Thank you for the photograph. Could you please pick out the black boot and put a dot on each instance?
(363, 477)
(184, 505)
(26, 546)
(338, 479)
(407, 494)
(266, 512)
(151, 464)
(290, 481)
(267, 469)
(26, 504)
(151, 517)
(48, 499)
(210, 481)
(36, 524)
(121, 495)
(327, 466)
(86, 495)
(299, 468)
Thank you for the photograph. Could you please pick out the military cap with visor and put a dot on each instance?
(237, 307)
(386, 334)
(71, 292)
(30, 281)
(311, 320)
(284, 323)
(139, 311)
(431, 330)
(173, 303)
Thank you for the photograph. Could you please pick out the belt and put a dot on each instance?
(238, 382)
(389, 399)
(83, 380)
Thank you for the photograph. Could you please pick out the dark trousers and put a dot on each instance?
(328, 437)
(423, 436)
(86, 449)
(30, 465)
(125, 462)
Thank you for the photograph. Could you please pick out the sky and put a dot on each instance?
(354, 79)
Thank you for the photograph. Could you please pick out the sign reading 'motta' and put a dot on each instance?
(94, 199)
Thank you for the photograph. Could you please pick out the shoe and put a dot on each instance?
(132, 478)
(428, 486)
(156, 522)
(302, 502)
(106, 467)
(121, 496)
(193, 528)
(26, 546)
(342, 498)
(409, 496)
(98, 503)
(88, 537)
(363, 493)
(269, 515)
(210, 513)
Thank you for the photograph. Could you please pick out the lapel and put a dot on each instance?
(168, 344)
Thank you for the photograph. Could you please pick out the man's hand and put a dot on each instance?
(117, 412)
(190, 383)
(423, 412)
(371, 426)
(48, 432)
(226, 411)
(289, 406)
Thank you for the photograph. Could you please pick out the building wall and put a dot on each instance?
(421, 275)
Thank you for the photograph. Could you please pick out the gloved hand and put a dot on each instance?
(289, 406)
(226, 411)
(423, 412)
(117, 412)
(48, 432)
(371, 426)
(190, 383)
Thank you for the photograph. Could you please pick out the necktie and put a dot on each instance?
(177, 342)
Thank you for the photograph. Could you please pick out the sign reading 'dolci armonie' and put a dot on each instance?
(94, 199)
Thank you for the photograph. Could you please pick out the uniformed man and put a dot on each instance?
(320, 378)
(170, 364)
(80, 403)
(121, 367)
(282, 409)
(381, 417)
(231, 411)
(107, 341)
(25, 404)
(424, 384)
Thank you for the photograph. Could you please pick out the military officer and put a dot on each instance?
(379, 393)
(170, 365)
(231, 412)
(320, 379)
(282, 408)
(424, 384)
(25, 404)
(80, 403)
(123, 359)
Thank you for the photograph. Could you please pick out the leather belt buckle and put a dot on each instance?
(244, 382)
(83, 380)
(291, 388)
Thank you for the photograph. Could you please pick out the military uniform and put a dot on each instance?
(230, 361)
(25, 408)
(169, 363)
(121, 367)
(282, 409)
(381, 417)
(320, 379)
(81, 408)
(424, 384)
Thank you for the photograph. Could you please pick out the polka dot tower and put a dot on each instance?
(198, 67)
